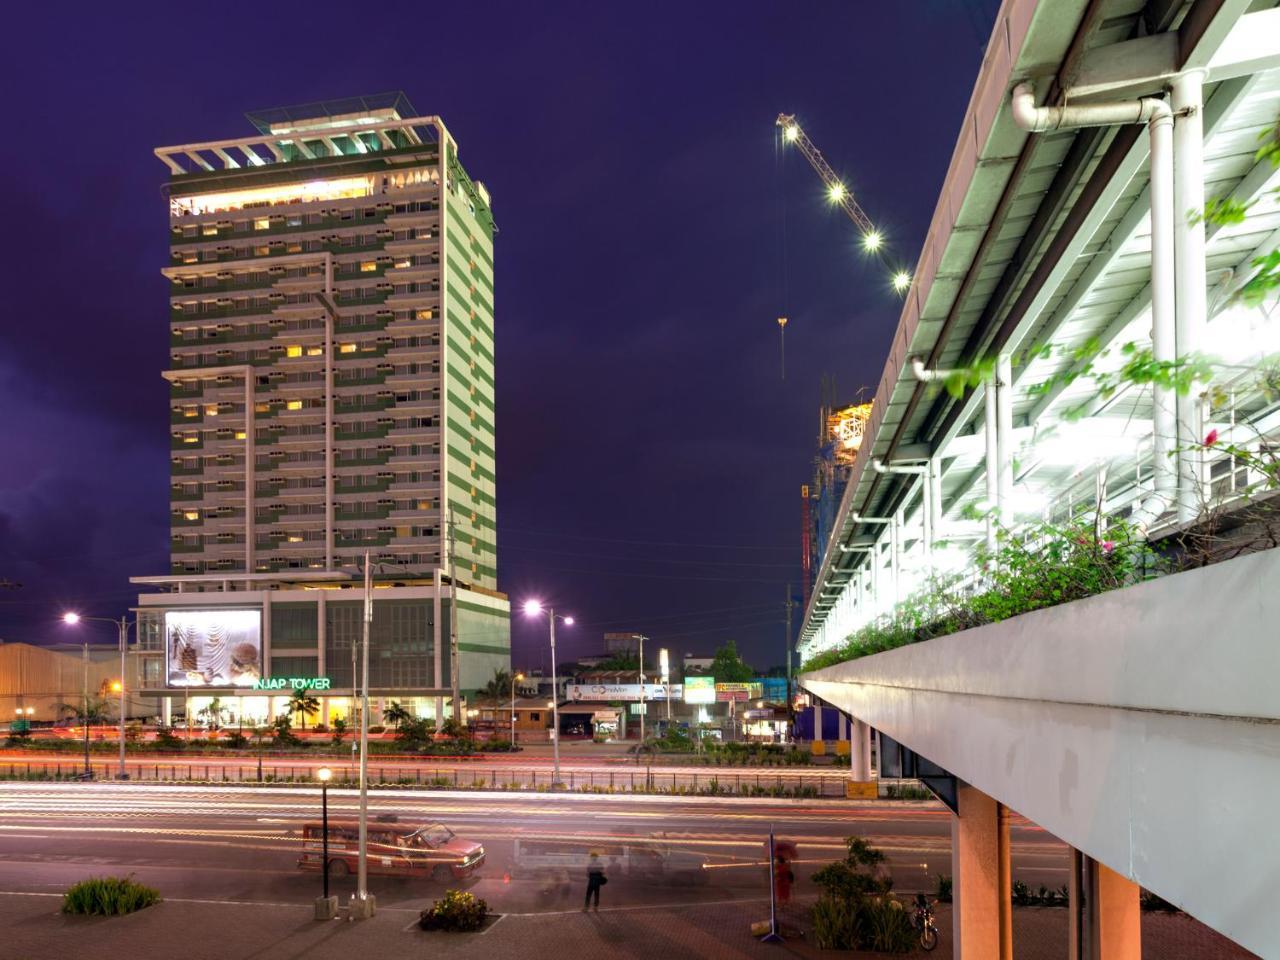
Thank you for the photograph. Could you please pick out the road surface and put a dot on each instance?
(237, 843)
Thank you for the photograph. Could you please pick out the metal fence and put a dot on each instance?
(639, 780)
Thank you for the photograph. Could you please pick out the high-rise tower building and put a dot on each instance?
(331, 323)
(331, 394)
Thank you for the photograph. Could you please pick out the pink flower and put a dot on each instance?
(1108, 546)
(1211, 438)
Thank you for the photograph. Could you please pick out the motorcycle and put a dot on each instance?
(922, 921)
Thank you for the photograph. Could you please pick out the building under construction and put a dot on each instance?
(840, 430)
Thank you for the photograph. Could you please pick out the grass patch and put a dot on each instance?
(108, 897)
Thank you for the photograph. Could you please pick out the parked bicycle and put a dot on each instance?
(922, 921)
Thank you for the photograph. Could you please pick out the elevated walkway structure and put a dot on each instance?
(1068, 228)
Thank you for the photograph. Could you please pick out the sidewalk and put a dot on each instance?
(207, 930)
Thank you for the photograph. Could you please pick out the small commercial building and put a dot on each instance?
(251, 646)
(37, 681)
(532, 718)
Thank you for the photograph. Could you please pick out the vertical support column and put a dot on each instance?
(860, 785)
(1116, 930)
(983, 912)
(1077, 932)
(1163, 280)
(895, 558)
(1106, 922)
(1004, 436)
(1189, 266)
(992, 461)
(437, 663)
(329, 320)
(249, 466)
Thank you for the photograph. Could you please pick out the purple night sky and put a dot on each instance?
(649, 456)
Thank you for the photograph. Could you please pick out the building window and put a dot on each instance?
(425, 314)
(347, 348)
(368, 266)
(210, 409)
(191, 515)
(261, 223)
(293, 405)
(293, 350)
(315, 351)
(534, 716)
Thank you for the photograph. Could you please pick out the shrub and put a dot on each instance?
(943, 893)
(834, 923)
(1045, 565)
(457, 912)
(235, 740)
(108, 896)
(377, 728)
(165, 739)
(339, 731)
(886, 926)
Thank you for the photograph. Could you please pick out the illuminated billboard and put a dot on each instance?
(213, 648)
(699, 690)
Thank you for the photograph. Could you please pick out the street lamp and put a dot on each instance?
(514, 678)
(534, 608)
(122, 625)
(323, 775)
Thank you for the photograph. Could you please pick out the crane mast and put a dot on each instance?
(837, 192)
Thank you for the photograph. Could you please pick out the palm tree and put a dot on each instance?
(95, 711)
(396, 714)
(303, 704)
(213, 713)
(499, 688)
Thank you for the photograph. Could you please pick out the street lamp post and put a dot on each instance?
(514, 678)
(326, 906)
(642, 680)
(534, 608)
(122, 626)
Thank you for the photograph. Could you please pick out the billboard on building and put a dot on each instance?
(213, 648)
(736, 691)
(699, 690)
(619, 691)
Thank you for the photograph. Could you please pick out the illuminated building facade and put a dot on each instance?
(331, 327)
(332, 387)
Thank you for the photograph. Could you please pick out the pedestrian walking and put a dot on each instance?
(595, 880)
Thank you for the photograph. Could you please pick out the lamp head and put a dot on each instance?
(324, 774)
(71, 618)
(568, 621)
(532, 608)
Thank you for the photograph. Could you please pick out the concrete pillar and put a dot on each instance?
(860, 784)
(982, 916)
(1117, 934)
(1106, 922)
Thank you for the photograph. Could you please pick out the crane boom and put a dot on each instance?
(836, 190)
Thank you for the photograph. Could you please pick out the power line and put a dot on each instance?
(606, 556)
(650, 543)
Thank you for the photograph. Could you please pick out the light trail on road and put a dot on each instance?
(243, 843)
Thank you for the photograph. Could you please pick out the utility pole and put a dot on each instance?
(789, 605)
(362, 903)
(640, 637)
(453, 617)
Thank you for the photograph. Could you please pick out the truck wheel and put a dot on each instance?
(338, 868)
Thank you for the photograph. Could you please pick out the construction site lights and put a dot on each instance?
(840, 195)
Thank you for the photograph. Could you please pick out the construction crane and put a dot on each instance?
(838, 193)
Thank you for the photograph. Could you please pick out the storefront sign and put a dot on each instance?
(576, 692)
(736, 691)
(699, 690)
(293, 683)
